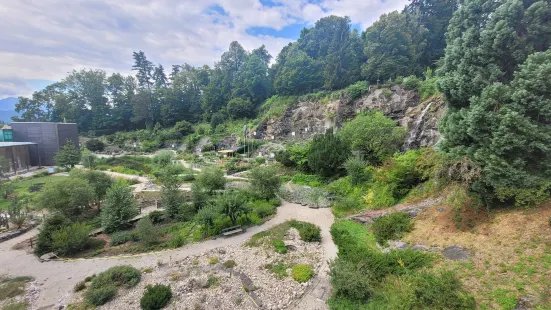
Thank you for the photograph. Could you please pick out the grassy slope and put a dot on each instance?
(510, 252)
(21, 187)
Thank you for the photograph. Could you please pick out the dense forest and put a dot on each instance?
(328, 56)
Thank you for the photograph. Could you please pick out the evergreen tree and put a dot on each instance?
(119, 207)
(68, 156)
(327, 154)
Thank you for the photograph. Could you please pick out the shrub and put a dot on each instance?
(263, 209)
(80, 286)
(308, 231)
(302, 273)
(327, 153)
(122, 237)
(279, 246)
(163, 158)
(211, 179)
(147, 232)
(357, 170)
(184, 128)
(71, 239)
(392, 226)
(230, 264)
(95, 145)
(260, 160)
(213, 261)
(412, 82)
(349, 280)
(119, 207)
(422, 290)
(125, 275)
(156, 297)
(157, 216)
(306, 179)
(101, 295)
(264, 182)
(216, 119)
(88, 159)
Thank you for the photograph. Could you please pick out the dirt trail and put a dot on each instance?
(58, 278)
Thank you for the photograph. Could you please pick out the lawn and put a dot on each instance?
(22, 187)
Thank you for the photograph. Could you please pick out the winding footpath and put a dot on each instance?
(57, 278)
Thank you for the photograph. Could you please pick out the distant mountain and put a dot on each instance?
(7, 109)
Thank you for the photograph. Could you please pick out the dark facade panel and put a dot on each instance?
(50, 137)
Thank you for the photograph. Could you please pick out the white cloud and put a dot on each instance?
(48, 38)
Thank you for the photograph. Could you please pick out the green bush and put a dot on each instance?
(412, 82)
(263, 209)
(157, 216)
(422, 290)
(79, 286)
(327, 154)
(260, 160)
(308, 231)
(350, 280)
(119, 207)
(307, 179)
(122, 237)
(392, 226)
(156, 297)
(357, 90)
(95, 145)
(264, 182)
(211, 179)
(302, 273)
(357, 170)
(101, 295)
(124, 275)
(44, 240)
(163, 158)
(71, 239)
(296, 155)
(147, 232)
(230, 264)
(279, 246)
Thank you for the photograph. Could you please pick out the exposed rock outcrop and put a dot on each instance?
(305, 119)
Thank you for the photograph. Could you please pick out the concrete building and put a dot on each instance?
(18, 156)
(49, 138)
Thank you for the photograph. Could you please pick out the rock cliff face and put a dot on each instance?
(305, 119)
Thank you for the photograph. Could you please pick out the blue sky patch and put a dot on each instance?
(287, 32)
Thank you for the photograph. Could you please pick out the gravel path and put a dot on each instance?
(58, 278)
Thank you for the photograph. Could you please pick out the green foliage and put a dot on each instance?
(233, 205)
(373, 134)
(105, 285)
(357, 170)
(207, 216)
(155, 297)
(263, 208)
(279, 270)
(12, 287)
(302, 273)
(327, 154)
(147, 232)
(311, 180)
(412, 82)
(422, 290)
(264, 182)
(140, 164)
(71, 239)
(279, 246)
(239, 108)
(184, 128)
(44, 240)
(95, 145)
(88, 159)
(157, 216)
(79, 286)
(216, 119)
(99, 181)
(357, 90)
(119, 207)
(308, 231)
(494, 77)
(295, 155)
(163, 158)
(229, 264)
(122, 237)
(68, 156)
(211, 179)
(70, 196)
(391, 226)
(101, 295)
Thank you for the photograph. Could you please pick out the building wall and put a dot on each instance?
(18, 157)
(50, 137)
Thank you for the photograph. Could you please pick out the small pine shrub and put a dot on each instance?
(213, 261)
(101, 295)
(156, 297)
(302, 273)
(157, 217)
(391, 226)
(308, 231)
(213, 281)
(230, 264)
(80, 286)
(279, 246)
(126, 276)
(122, 237)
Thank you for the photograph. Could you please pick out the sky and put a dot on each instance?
(43, 40)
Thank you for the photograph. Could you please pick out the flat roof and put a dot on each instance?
(6, 144)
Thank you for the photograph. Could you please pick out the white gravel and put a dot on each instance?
(57, 279)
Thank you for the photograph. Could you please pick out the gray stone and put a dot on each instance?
(456, 253)
(525, 303)
(419, 247)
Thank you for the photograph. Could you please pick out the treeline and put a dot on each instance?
(328, 56)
